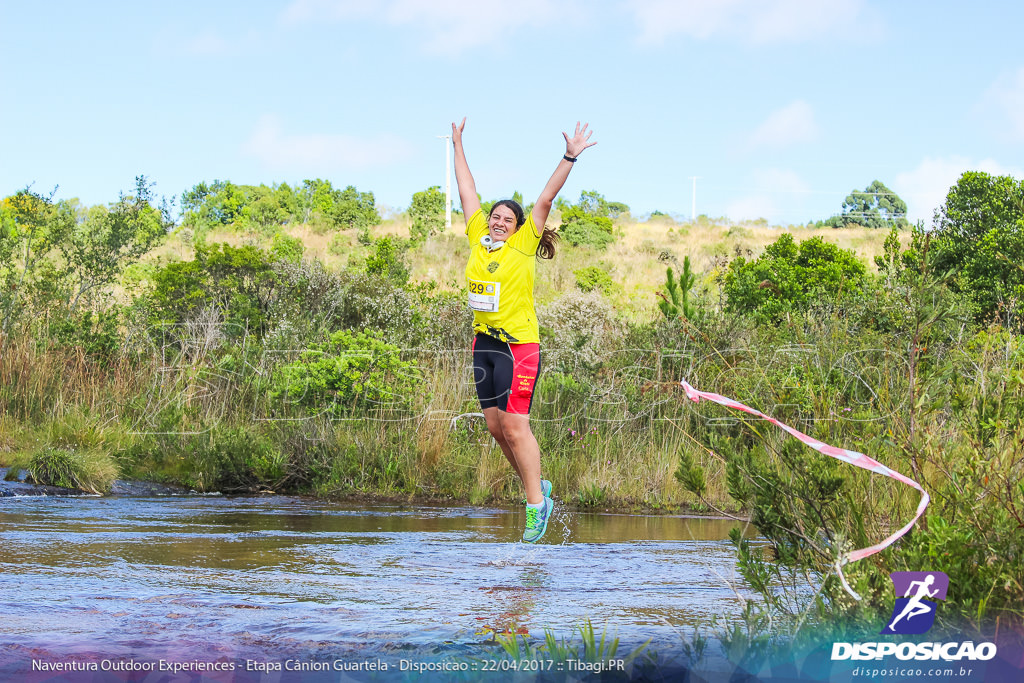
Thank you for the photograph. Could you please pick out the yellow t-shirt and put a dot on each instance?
(501, 282)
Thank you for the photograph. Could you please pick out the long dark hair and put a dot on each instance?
(548, 238)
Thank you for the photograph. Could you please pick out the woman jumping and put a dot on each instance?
(506, 348)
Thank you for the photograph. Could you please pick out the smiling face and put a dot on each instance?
(501, 223)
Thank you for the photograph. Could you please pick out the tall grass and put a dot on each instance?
(610, 421)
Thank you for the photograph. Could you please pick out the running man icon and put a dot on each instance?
(916, 613)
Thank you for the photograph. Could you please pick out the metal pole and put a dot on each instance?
(447, 182)
(693, 206)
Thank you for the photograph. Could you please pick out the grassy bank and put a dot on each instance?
(183, 392)
(183, 403)
(346, 372)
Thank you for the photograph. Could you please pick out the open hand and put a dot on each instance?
(578, 142)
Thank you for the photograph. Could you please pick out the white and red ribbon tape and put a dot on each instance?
(851, 457)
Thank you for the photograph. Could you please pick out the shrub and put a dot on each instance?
(96, 334)
(214, 457)
(444, 319)
(580, 328)
(788, 277)
(286, 248)
(351, 371)
(310, 294)
(239, 280)
(579, 228)
(388, 261)
(340, 244)
(594, 278)
(367, 301)
(86, 469)
(207, 206)
(647, 248)
(261, 210)
(314, 299)
(31, 226)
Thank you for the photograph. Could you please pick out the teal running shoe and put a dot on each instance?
(545, 489)
(537, 521)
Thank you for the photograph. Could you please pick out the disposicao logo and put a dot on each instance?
(914, 613)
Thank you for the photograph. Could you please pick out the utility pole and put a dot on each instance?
(447, 182)
(693, 206)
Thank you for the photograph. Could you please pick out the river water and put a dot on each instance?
(265, 579)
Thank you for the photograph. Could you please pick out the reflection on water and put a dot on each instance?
(237, 577)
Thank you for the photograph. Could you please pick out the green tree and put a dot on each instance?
(262, 209)
(979, 232)
(31, 225)
(207, 206)
(240, 281)
(99, 247)
(616, 209)
(788, 276)
(192, 200)
(427, 213)
(593, 203)
(354, 209)
(287, 199)
(315, 197)
(876, 207)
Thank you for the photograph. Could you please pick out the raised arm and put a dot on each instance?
(463, 178)
(573, 147)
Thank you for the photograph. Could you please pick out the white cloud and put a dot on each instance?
(1006, 100)
(751, 208)
(447, 26)
(750, 21)
(775, 193)
(210, 43)
(302, 11)
(794, 123)
(320, 152)
(924, 189)
(207, 44)
(780, 180)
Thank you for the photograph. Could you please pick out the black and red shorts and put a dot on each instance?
(505, 374)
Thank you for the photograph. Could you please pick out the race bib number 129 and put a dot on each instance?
(484, 296)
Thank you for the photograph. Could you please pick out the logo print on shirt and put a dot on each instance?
(492, 266)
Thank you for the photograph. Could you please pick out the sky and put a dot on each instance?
(778, 108)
